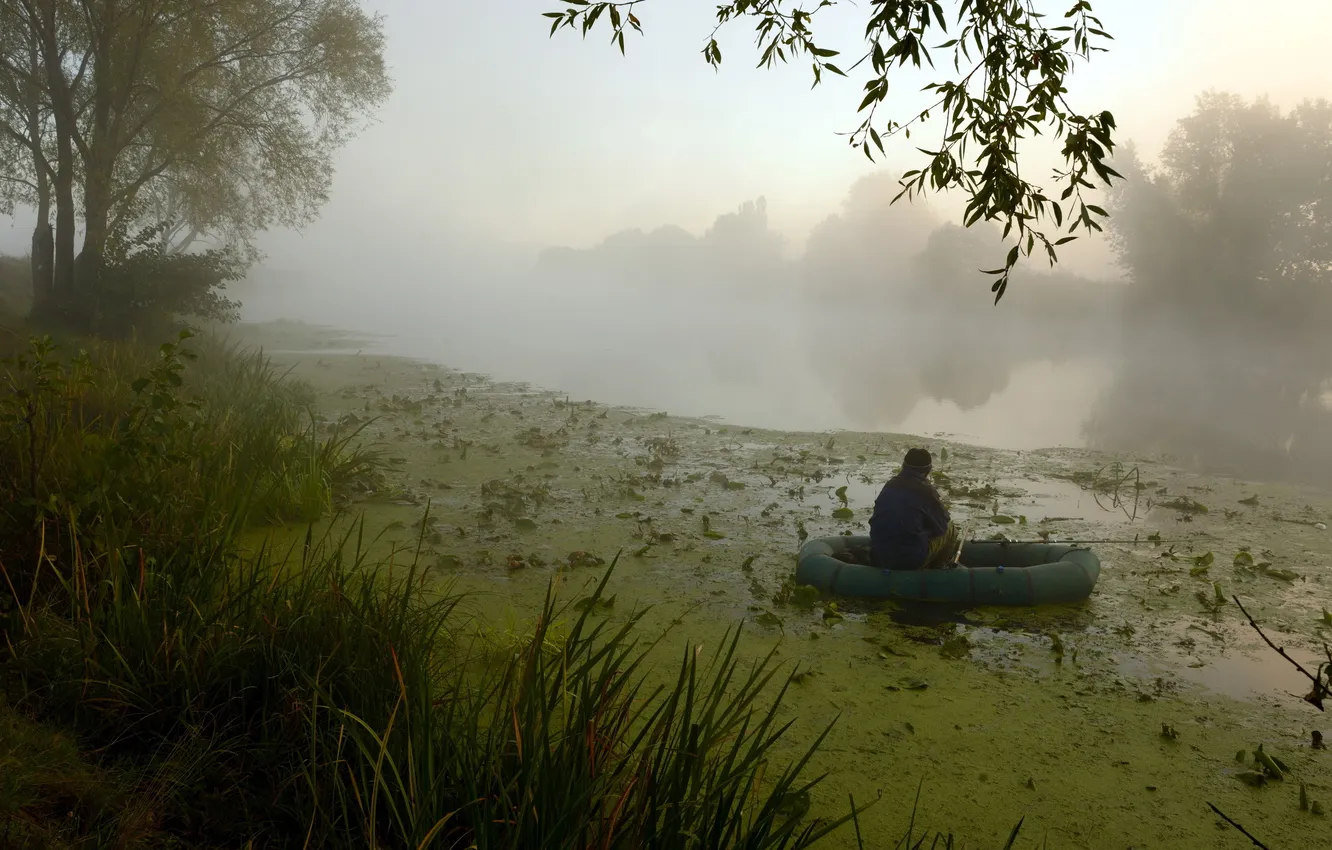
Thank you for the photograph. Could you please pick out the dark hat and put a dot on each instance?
(918, 460)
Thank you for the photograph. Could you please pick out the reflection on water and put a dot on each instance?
(1248, 675)
(775, 363)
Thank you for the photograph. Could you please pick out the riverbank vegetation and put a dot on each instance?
(162, 684)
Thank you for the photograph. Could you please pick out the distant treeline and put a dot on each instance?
(1217, 332)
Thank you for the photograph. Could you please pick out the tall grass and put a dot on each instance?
(321, 698)
(127, 446)
(574, 750)
(309, 697)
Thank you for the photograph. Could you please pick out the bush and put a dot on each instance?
(131, 450)
(143, 286)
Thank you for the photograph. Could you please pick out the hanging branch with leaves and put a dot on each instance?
(1011, 69)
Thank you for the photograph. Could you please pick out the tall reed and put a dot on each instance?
(307, 696)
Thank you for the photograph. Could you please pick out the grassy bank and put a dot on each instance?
(164, 686)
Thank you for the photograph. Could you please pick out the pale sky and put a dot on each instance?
(495, 131)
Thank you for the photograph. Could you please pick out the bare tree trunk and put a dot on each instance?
(98, 163)
(62, 182)
(96, 218)
(42, 255)
(42, 261)
(62, 268)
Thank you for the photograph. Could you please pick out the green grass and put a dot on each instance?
(127, 449)
(164, 688)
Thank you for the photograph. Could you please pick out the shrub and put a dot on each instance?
(145, 286)
(128, 447)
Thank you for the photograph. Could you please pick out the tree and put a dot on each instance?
(1227, 246)
(1011, 71)
(189, 116)
(25, 174)
(863, 254)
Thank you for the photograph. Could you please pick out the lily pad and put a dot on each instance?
(595, 603)
(1184, 504)
(769, 620)
(956, 646)
(907, 683)
(844, 513)
(1000, 519)
(1281, 575)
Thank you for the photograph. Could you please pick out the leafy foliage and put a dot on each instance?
(119, 115)
(145, 286)
(131, 450)
(1011, 67)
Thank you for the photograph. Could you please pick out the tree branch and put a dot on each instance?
(1320, 687)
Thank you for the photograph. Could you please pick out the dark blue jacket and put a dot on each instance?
(907, 514)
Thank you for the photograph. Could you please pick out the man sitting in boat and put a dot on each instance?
(911, 528)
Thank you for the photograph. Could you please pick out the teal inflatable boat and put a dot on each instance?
(995, 573)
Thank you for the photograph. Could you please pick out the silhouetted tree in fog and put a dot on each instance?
(1228, 249)
(739, 251)
(863, 254)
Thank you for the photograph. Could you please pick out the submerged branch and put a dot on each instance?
(1320, 687)
(1227, 819)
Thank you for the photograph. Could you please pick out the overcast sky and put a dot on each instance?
(495, 130)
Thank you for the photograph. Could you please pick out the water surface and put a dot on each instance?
(779, 362)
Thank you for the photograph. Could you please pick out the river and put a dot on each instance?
(771, 362)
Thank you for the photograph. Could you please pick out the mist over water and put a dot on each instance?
(1210, 346)
(766, 364)
(859, 332)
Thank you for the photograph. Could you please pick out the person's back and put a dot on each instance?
(910, 528)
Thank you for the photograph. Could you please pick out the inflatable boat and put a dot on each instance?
(993, 573)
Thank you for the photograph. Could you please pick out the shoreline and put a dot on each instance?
(997, 702)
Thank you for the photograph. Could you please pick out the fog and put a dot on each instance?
(644, 231)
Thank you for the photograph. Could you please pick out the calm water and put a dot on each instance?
(777, 364)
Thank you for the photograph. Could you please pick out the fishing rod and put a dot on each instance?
(1081, 540)
(962, 541)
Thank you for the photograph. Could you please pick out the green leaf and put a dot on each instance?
(844, 514)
